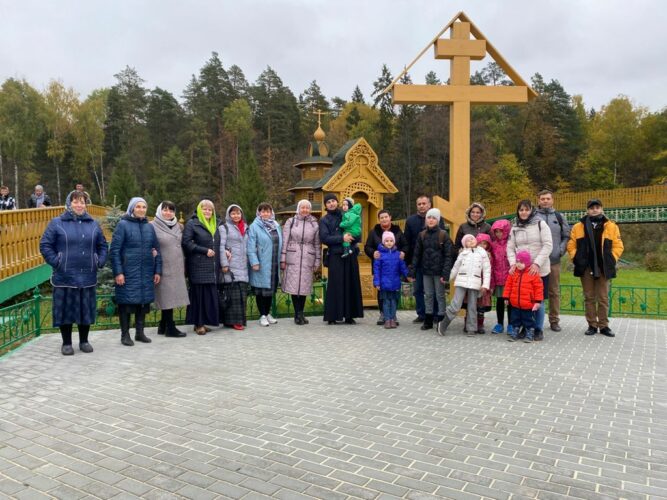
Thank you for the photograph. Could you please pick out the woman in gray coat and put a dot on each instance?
(234, 263)
(300, 257)
(172, 291)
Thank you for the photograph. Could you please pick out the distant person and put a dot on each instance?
(474, 224)
(6, 202)
(39, 199)
(560, 235)
(595, 246)
(137, 265)
(81, 189)
(414, 225)
(74, 246)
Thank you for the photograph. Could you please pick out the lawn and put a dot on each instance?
(627, 276)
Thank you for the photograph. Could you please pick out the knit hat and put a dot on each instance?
(350, 202)
(524, 257)
(388, 235)
(433, 213)
(330, 196)
(593, 202)
(467, 238)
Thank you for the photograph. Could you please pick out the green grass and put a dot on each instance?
(626, 277)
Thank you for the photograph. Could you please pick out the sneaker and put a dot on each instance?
(263, 321)
(591, 331)
(394, 323)
(443, 325)
(510, 330)
(606, 331)
(387, 324)
(380, 320)
(538, 335)
(271, 319)
(418, 319)
(511, 338)
(528, 339)
(498, 328)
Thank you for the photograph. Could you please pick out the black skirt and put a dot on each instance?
(74, 305)
(343, 299)
(234, 310)
(203, 308)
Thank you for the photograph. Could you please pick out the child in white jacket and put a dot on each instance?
(471, 274)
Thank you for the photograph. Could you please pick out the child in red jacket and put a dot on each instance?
(525, 293)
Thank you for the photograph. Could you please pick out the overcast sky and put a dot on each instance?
(596, 48)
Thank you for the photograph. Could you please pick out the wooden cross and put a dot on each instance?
(459, 94)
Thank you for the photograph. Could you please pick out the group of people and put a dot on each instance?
(211, 266)
(38, 198)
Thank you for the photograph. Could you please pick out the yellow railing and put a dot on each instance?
(645, 196)
(20, 232)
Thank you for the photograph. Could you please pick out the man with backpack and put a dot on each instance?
(560, 235)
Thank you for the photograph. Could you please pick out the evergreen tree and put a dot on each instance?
(123, 184)
(357, 96)
(164, 120)
(248, 190)
(385, 128)
(312, 100)
(238, 81)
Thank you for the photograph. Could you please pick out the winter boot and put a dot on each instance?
(162, 326)
(443, 325)
(530, 334)
(428, 322)
(124, 319)
(304, 321)
(172, 331)
(139, 335)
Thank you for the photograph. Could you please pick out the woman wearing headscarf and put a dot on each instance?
(74, 246)
(171, 291)
(343, 298)
(234, 262)
(300, 257)
(201, 241)
(530, 233)
(137, 265)
(264, 245)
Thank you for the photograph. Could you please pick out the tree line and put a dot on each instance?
(234, 141)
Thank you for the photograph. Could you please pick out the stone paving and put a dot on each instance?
(339, 412)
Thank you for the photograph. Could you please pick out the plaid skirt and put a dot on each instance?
(233, 311)
(74, 305)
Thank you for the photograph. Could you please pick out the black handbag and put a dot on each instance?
(224, 291)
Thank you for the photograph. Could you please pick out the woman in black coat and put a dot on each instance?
(343, 298)
(201, 241)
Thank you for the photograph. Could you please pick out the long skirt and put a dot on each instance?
(203, 308)
(74, 305)
(343, 299)
(234, 312)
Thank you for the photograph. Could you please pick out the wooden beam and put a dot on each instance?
(447, 48)
(447, 94)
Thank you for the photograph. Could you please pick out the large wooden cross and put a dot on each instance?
(460, 49)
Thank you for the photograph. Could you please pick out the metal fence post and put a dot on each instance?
(37, 300)
(611, 302)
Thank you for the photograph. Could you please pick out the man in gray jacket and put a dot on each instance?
(560, 234)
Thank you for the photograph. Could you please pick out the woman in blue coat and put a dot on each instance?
(137, 266)
(264, 245)
(74, 246)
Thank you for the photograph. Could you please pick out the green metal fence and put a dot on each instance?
(32, 317)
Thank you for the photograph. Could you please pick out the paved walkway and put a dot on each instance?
(338, 412)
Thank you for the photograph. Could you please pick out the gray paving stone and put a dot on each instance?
(274, 414)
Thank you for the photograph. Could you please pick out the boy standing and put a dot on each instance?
(595, 246)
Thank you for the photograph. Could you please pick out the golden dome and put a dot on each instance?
(319, 134)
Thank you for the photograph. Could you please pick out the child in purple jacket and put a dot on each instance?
(387, 272)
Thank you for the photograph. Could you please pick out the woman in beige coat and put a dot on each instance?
(532, 234)
(171, 292)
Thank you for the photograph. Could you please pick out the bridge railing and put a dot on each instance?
(20, 232)
(617, 198)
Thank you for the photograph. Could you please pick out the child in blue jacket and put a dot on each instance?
(387, 272)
